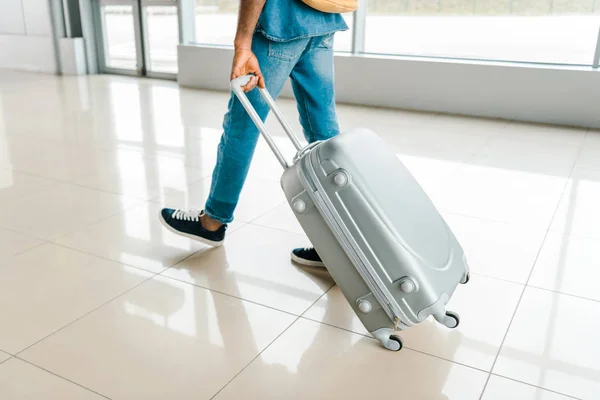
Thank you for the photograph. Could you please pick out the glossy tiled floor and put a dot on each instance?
(98, 300)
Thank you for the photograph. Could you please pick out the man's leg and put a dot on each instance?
(314, 88)
(236, 147)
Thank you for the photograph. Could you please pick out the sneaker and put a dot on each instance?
(307, 257)
(187, 223)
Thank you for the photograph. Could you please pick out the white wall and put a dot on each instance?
(26, 41)
(11, 17)
(566, 96)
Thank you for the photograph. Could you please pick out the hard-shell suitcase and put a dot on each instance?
(380, 236)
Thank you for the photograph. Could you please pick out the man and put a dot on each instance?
(275, 39)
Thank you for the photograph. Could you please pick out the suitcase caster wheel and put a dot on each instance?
(394, 343)
(465, 279)
(452, 320)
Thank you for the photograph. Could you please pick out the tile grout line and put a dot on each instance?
(537, 387)
(86, 314)
(62, 377)
(64, 246)
(152, 199)
(532, 269)
(103, 219)
(275, 229)
(62, 236)
(405, 347)
(269, 345)
(10, 258)
(563, 293)
(302, 316)
(9, 358)
(534, 286)
(153, 275)
(228, 295)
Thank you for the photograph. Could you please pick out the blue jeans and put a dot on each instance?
(309, 64)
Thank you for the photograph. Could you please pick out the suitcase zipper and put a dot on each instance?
(389, 303)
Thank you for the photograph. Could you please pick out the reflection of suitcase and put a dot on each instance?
(381, 238)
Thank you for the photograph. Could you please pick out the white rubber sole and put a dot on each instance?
(187, 235)
(307, 263)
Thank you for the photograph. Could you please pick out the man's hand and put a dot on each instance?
(244, 60)
(244, 63)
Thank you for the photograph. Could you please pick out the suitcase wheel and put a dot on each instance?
(391, 345)
(465, 279)
(451, 320)
(388, 339)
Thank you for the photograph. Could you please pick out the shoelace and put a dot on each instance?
(308, 250)
(187, 215)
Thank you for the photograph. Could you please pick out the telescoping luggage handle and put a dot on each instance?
(236, 86)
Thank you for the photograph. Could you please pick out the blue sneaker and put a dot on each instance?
(187, 223)
(307, 257)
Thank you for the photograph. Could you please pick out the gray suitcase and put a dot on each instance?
(380, 236)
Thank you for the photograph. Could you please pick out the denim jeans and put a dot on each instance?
(309, 64)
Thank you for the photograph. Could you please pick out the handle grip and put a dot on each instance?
(240, 81)
(236, 87)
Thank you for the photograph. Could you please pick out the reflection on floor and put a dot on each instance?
(97, 300)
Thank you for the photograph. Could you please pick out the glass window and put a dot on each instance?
(216, 21)
(163, 38)
(343, 40)
(544, 31)
(119, 37)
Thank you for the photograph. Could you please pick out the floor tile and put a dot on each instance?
(531, 157)
(48, 287)
(549, 134)
(589, 158)
(281, 217)
(165, 339)
(569, 264)
(429, 172)
(499, 388)
(333, 309)
(254, 264)
(315, 361)
(16, 185)
(386, 122)
(552, 343)
(485, 306)
(192, 153)
(62, 210)
(440, 137)
(503, 195)
(497, 249)
(437, 144)
(467, 125)
(49, 159)
(578, 211)
(132, 174)
(4, 356)
(257, 198)
(22, 381)
(135, 237)
(476, 342)
(13, 243)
